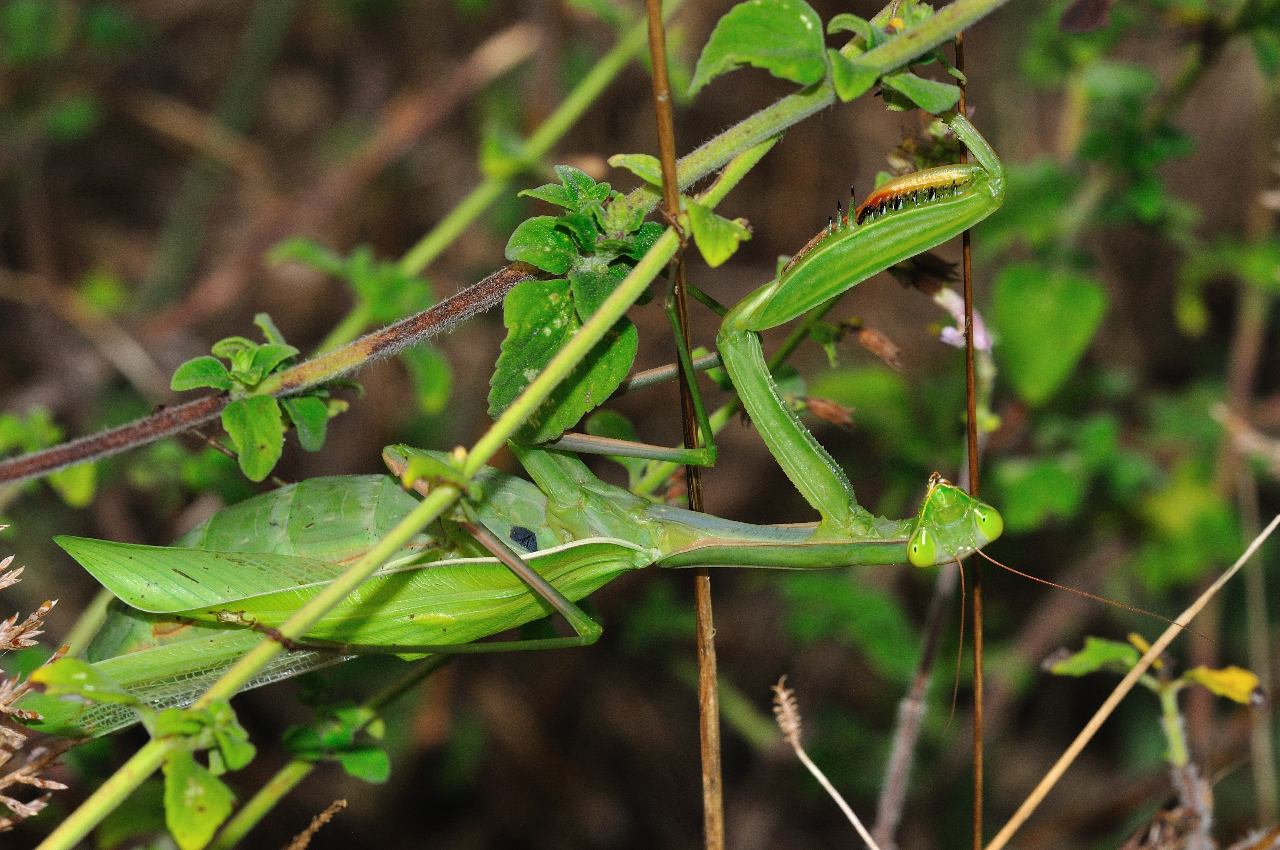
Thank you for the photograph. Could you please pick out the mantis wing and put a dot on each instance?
(282, 547)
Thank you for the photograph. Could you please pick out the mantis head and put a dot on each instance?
(951, 524)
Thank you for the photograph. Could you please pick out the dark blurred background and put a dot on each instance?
(153, 153)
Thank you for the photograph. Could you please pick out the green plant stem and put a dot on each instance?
(1175, 734)
(295, 770)
(88, 622)
(538, 145)
(282, 782)
(110, 794)
(349, 327)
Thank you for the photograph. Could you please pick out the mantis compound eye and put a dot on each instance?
(990, 523)
(922, 548)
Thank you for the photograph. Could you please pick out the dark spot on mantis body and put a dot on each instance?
(524, 538)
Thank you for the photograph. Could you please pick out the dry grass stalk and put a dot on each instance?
(787, 712)
(302, 839)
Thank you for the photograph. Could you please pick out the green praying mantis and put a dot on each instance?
(515, 551)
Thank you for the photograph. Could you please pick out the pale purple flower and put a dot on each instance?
(951, 301)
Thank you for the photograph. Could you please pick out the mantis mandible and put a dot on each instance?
(185, 612)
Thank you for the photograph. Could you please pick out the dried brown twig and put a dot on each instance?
(303, 839)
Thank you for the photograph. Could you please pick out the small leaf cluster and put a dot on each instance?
(785, 38)
(336, 737)
(384, 291)
(256, 424)
(590, 247)
(196, 800)
(1100, 655)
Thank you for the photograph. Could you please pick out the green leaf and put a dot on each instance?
(1036, 490)
(582, 225)
(538, 242)
(271, 355)
(643, 239)
(308, 252)
(74, 677)
(257, 432)
(75, 485)
(612, 424)
(138, 817)
(1234, 683)
(203, 371)
(591, 283)
(229, 347)
(365, 761)
(930, 95)
(850, 78)
(1099, 654)
(830, 606)
(716, 236)
(1045, 319)
(581, 187)
(432, 378)
(552, 194)
(1266, 48)
(642, 165)
(540, 319)
(310, 416)
(784, 37)
(846, 22)
(232, 741)
(269, 330)
(195, 801)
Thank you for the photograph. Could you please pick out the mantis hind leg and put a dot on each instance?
(811, 469)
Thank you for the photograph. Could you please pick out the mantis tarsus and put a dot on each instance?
(186, 611)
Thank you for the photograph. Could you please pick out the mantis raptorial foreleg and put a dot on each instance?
(901, 219)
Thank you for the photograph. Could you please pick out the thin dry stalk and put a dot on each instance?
(787, 712)
(1037, 795)
(303, 839)
(708, 697)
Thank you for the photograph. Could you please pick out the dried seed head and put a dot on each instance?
(830, 411)
(787, 712)
(881, 346)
